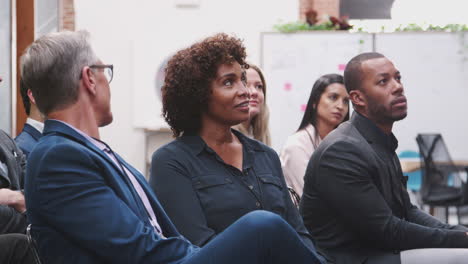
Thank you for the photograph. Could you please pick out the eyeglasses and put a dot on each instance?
(108, 70)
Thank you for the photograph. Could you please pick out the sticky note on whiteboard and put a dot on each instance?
(341, 67)
(287, 87)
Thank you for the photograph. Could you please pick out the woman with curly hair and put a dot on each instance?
(257, 125)
(212, 175)
(328, 106)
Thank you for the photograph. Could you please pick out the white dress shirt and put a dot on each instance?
(39, 126)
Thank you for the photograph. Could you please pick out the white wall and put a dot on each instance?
(5, 67)
(136, 36)
(434, 12)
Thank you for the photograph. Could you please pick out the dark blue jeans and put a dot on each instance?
(258, 237)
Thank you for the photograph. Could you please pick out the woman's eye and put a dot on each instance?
(227, 82)
(259, 87)
(333, 97)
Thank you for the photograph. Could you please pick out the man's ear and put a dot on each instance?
(88, 78)
(357, 97)
(31, 97)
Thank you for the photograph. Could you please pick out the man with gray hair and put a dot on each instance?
(87, 205)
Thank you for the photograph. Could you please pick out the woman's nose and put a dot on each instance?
(340, 105)
(253, 91)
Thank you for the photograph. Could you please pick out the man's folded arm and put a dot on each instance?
(345, 181)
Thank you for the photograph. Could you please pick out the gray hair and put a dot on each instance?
(51, 67)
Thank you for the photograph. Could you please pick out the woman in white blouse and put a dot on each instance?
(328, 106)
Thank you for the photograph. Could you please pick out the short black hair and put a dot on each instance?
(353, 73)
(24, 95)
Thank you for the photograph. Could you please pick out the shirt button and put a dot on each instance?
(251, 187)
(257, 204)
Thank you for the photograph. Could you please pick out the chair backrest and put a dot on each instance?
(414, 177)
(32, 245)
(437, 166)
(296, 199)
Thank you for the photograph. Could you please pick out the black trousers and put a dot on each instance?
(15, 249)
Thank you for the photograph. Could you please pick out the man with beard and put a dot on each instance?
(355, 203)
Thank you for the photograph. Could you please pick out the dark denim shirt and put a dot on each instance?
(203, 195)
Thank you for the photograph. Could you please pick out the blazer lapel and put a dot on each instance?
(53, 126)
(123, 176)
(32, 131)
(379, 144)
(169, 229)
(164, 221)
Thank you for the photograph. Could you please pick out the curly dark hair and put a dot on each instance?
(189, 73)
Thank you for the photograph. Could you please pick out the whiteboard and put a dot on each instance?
(293, 62)
(434, 68)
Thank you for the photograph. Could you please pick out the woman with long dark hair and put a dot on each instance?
(328, 106)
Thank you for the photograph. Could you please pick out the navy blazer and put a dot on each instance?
(84, 209)
(27, 139)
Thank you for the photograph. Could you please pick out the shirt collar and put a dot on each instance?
(372, 133)
(100, 145)
(39, 126)
(197, 144)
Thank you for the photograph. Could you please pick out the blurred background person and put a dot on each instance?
(328, 106)
(14, 246)
(257, 125)
(32, 130)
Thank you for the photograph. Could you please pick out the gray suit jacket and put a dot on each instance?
(355, 203)
(11, 177)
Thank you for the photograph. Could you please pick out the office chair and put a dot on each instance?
(33, 245)
(441, 182)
